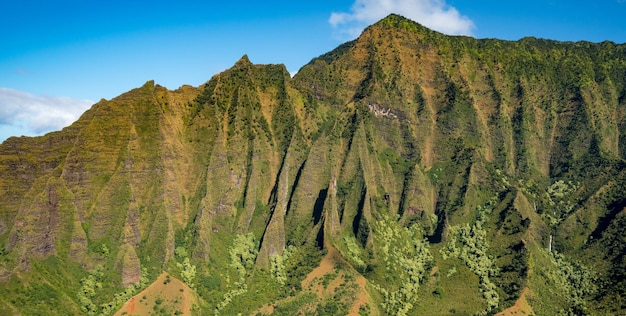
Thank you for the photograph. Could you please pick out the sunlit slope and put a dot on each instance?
(420, 173)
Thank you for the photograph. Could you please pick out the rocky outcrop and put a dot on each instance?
(402, 125)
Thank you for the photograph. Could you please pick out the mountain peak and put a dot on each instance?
(478, 157)
(400, 22)
(393, 17)
(244, 60)
(149, 84)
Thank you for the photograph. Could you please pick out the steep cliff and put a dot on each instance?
(437, 174)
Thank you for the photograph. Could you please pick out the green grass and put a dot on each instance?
(180, 174)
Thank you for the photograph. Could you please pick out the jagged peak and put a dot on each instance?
(148, 84)
(244, 64)
(243, 61)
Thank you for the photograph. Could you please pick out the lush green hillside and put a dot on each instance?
(406, 172)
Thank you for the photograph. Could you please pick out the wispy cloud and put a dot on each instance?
(435, 14)
(36, 115)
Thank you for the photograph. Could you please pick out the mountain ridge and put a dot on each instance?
(498, 164)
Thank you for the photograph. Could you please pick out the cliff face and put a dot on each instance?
(442, 169)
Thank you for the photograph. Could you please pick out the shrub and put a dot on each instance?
(469, 243)
(407, 257)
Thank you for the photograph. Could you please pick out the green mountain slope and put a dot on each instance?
(406, 172)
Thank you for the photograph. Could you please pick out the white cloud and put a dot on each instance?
(435, 14)
(36, 115)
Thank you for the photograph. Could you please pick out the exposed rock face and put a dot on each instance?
(129, 265)
(78, 245)
(402, 123)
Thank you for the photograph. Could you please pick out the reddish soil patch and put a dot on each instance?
(131, 305)
(166, 293)
(362, 298)
(327, 266)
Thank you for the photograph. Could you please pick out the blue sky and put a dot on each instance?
(57, 58)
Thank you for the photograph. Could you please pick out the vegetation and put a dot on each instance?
(575, 281)
(242, 256)
(90, 287)
(406, 173)
(277, 265)
(406, 259)
(469, 243)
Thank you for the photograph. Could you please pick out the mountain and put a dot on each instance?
(406, 172)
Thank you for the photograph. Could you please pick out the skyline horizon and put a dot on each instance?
(47, 84)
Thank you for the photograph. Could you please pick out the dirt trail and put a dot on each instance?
(326, 266)
(521, 306)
